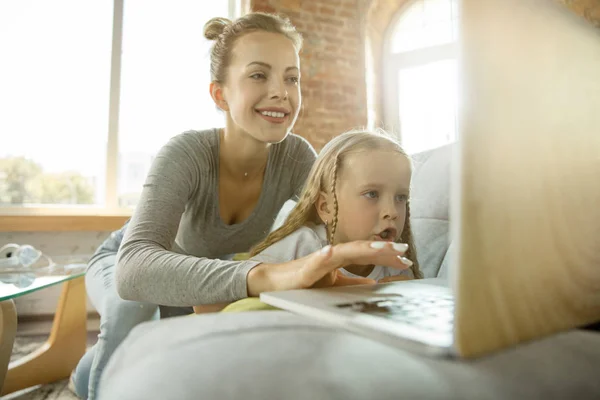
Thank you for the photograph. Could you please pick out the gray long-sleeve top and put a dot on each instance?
(169, 254)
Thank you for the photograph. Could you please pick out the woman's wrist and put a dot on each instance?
(257, 280)
(272, 277)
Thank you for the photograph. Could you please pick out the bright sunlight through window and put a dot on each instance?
(421, 74)
(55, 91)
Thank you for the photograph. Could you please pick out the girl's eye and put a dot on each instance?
(294, 80)
(371, 194)
(258, 76)
(401, 198)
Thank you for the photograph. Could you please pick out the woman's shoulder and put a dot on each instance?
(203, 138)
(198, 147)
(296, 155)
(294, 143)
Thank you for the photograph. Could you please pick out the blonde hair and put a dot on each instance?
(323, 178)
(225, 32)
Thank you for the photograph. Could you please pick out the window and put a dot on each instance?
(81, 119)
(421, 74)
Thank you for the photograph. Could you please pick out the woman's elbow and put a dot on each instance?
(123, 279)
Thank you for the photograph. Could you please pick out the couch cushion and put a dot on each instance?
(430, 207)
(279, 355)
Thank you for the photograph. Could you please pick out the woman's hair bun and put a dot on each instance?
(214, 27)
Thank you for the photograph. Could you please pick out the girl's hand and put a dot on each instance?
(320, 268)
(395, 278)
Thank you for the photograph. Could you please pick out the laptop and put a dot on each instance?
(525, 198)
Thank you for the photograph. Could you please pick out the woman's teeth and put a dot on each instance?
(384, 234)
(273, 114)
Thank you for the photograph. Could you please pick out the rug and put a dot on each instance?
(52, 391)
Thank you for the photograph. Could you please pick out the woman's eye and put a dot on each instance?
(401, 198)
(258, 76)
(371, 194)
(294, 80)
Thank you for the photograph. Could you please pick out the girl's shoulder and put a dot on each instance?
(310, 232)
(305, 237)
(302, 242)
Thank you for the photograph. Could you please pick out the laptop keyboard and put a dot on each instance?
(431, 312)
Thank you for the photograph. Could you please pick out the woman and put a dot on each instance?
(214, 193)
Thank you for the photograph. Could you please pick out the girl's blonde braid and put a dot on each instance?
(335, 201)
(411, 253)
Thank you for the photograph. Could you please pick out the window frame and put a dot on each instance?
(108, 216)
(394, 62)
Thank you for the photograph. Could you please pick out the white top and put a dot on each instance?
(309, 239)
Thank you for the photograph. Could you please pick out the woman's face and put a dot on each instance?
(262, 90)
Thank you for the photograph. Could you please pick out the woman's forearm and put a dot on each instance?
(148, 273)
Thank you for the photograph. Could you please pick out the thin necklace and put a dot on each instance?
(254, 173)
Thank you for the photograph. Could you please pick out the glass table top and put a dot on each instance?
(15, 283)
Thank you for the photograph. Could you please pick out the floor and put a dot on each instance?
(31, 335)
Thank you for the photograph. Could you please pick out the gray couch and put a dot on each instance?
(279, 355)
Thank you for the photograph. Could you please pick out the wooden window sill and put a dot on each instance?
(61, 223)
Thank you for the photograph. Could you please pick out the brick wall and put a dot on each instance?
(589, 9)
(343, 45)
(332, 64)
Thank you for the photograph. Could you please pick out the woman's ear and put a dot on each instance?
(216, 92)
(323, 207)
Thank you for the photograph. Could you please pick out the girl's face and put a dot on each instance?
(262, 91)
(373, 189)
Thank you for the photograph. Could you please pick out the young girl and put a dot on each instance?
(358, 189)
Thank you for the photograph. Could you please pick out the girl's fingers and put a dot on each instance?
(395, 278)
(343, 280)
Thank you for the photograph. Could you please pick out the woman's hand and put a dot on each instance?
(320, 269)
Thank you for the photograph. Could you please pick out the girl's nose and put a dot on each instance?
(391, 216)
(390, 213)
